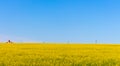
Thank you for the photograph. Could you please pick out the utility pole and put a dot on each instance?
(96, 41)
(68, 42)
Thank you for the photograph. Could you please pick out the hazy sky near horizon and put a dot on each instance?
(82, 21)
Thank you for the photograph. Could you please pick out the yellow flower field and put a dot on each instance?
(48, 54)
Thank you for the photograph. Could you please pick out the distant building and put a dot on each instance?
(9, 41)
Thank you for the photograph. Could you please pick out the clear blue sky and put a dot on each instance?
(82, 21)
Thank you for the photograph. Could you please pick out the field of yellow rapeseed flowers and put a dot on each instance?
(48, 54)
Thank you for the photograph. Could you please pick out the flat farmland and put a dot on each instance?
(53, 54)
